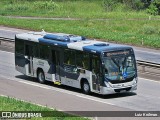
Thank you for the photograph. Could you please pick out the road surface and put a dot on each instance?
(14, 84)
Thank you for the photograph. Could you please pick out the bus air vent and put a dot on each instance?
(101, 44)
(57, 38)
(64, 38)
(87, 42)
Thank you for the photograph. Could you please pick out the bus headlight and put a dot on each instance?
(107, 84)
(135, 80)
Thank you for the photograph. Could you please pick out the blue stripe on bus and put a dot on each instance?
(95, 49)
(53, 42)
(100, 49)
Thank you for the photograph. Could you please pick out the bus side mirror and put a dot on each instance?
(103, 65)
(27, 61)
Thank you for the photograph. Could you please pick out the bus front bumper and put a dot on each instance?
(118, 88)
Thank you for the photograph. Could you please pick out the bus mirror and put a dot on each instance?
(78, 70)
(27, 61)
(103, 65)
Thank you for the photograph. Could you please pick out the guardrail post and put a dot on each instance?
(143, 68)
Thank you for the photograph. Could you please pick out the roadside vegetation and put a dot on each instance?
(140, 33)
(11, 104)
(134, 22)
(119, 9)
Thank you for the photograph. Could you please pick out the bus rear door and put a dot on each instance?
(56, 65)
(29, 59)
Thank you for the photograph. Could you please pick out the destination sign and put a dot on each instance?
(117, 53)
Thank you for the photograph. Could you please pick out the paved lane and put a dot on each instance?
(146, 54)
(147, 97)
(10, 32)
(14, 84)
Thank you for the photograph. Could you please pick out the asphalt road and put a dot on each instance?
(14, 84)
(145, 54)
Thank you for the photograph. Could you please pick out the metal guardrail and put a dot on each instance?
(140, 62)
(6, 42)
(148, 68)
(6, 39)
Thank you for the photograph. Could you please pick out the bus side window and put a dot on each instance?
(44, 51)
(69, 57)
(36, 51)
(19, 48)
(82, 59)
(79, 56)
(85, 61)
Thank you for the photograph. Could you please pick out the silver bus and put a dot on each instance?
(65, 59)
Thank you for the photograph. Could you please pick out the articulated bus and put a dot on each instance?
(75, 61)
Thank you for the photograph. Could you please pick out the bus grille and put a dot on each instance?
(119, 90)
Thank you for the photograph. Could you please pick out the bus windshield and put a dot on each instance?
(119, 68)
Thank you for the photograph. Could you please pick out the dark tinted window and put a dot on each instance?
(69, 57)
(82, 59)
(44, 51)
(35, 50)
(19, 46)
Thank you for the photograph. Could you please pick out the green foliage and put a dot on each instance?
(119, 31)
(138, 5)
(48, 5)
(153, 10)
(109, 4)
(150, 30)
(16, 7)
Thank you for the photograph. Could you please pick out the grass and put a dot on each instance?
(11, 104)
(66, 8)
(123, 26)
(120, 31)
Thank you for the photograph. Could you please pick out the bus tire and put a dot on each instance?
(85, 87)
(41, 76)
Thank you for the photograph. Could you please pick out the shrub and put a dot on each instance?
(47, 5)
(150, 30)
(17, 7)
(152, 9)
(109, 4)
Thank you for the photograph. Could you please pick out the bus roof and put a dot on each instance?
(70, 41)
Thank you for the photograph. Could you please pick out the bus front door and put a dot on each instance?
(29, 59)
(96, 73)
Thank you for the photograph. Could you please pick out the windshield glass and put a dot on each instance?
(118, 68)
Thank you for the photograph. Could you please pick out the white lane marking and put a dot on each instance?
(6, 52)
(58, 90)
(148, 52)
(37, 85)
(149, 80)
(94, 99)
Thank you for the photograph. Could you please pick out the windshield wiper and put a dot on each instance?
(115, 62)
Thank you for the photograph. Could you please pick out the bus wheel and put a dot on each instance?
(85, 87)
(41, 76)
